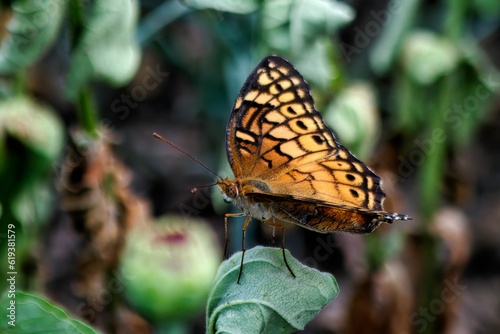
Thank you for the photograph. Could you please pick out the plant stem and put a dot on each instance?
(433, 169)
(455, 20)
(76, 21)
(432, 175)
(86, 111)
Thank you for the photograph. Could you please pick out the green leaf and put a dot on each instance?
(33, 314)
(316, 18)
(31, 30)
(302, 30)
(290, 26)
(427, 57)
(33, 125)
(487, 8)
(269, 299)
(34, 205)
(354, 117)
(108, 49)
(232, 6)
(314, 64)
(31, 139)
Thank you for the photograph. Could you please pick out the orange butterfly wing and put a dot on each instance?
(276, 139)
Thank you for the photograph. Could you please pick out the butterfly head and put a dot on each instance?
(229, 189)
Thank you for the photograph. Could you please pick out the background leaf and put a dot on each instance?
(268, 298)
(232, 6)
(303, 30)
(310, 19)
(32, 124)
(107, 49)
(355, 117)
(31, 30)
(427, 56)
(34, 314)
(400, 18)
(31, 139)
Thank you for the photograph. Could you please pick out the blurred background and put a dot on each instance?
(105, 225)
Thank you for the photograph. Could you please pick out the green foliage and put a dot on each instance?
(106, 49)
(400, 20)
(302, 31)
(34, 126)
(31, 31)
(291, 26)
(427, 56)
(103, 44)
(34, 314)
(31, 140)
(356, 117)
(233, 6)
(435, 64)
(421, 73)
(488, 8)
(299, 30)
(269, 299)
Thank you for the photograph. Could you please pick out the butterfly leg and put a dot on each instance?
(282, 227)
(283, 250)
(244, 231)
(226, 238)
(273, 237)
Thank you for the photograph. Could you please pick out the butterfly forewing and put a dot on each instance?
(276, 135)
(274, 122)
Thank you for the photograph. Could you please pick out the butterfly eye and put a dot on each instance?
(232, 192)
(229, 192)
(227, 197)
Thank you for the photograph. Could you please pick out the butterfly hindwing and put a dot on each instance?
(324, 217)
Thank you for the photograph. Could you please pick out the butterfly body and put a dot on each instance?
(236, 192)
(287, 163)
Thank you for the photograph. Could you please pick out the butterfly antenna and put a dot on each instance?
(195, 189)
(157, 136)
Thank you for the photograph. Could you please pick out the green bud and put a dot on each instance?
(169, 267)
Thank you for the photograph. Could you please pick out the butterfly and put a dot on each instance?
(287, 164)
